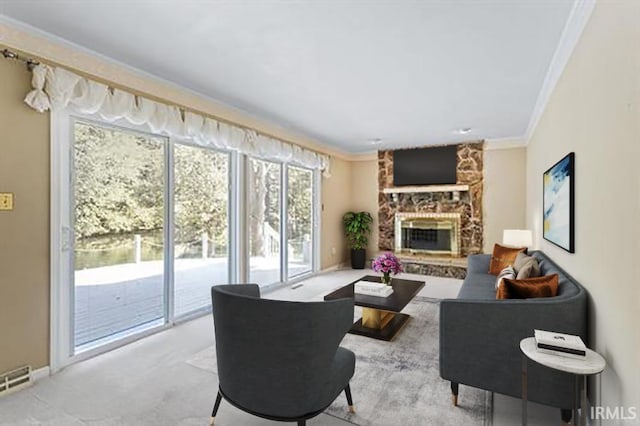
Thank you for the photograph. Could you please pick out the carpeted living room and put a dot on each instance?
(319, 212)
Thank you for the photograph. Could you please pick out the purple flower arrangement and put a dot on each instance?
(388, 264)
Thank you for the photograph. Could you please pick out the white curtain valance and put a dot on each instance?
(58, 88)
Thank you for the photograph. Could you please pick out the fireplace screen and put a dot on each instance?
(428, 233)
(426, 239)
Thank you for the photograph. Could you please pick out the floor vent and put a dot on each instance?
(15, 379)
(293, 287)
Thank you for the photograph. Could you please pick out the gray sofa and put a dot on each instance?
(480, 336)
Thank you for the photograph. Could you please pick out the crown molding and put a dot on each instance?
(576, 22)
(365, 156)
(505, 143)
(57, 51)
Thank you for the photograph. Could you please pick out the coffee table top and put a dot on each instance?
(403, 292)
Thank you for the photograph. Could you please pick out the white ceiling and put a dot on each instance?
(343, 72)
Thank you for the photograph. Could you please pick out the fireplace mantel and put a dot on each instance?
(425, 188)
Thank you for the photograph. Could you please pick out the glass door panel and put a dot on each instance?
(201, 247)
(118, 192)
(264, 191)
(299, 220)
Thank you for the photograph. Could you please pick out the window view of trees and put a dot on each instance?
(119, 190)
(201, 202)
(119, 221)
(264, 220)
(201, 194)
(300, 219)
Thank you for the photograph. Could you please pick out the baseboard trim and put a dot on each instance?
(40, 373)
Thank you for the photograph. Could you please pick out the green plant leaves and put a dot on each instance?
(357, 227)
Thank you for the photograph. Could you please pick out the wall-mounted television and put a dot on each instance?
(425, 166)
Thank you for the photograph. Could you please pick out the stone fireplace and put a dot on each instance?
(433, 228)
(427, 233)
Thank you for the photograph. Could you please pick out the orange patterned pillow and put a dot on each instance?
(502, 257)
(546, 286)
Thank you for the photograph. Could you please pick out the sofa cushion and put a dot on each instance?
(478, 286)
(502, 257)
(545, 286)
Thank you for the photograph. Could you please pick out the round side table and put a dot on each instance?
(582, 368)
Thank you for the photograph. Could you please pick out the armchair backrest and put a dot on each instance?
(273, 353)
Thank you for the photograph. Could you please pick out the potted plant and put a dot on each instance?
(357, 227)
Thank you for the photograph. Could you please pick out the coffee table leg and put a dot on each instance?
(375, 318)
(524, 390)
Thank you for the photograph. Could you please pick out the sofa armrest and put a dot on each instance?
(479, 339)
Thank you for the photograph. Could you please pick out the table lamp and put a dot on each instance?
(517, 237)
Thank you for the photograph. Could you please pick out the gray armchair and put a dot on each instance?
(280, 360)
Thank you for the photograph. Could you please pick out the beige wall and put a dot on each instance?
(364, 196)
(336, 200)
(24, 232)
(504, 193)
(594, 112)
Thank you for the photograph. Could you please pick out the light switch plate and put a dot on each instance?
(6, 201)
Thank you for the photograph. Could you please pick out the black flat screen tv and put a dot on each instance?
(425, 166)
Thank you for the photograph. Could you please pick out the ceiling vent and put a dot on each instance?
(14, 380)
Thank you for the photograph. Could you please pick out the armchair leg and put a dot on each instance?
(215, 408)
(302, 422)
(347, 392)
(565, 415)
(454, 393)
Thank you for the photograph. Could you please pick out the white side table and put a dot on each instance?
(592, 364)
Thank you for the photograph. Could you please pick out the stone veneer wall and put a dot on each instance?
(447, 271)
(470, 172)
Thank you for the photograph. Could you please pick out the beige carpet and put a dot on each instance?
(398, 382)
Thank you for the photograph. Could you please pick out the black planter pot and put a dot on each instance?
(358, 258)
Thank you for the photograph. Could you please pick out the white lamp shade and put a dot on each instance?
(517, 237)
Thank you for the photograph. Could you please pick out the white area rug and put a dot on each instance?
(398, 382)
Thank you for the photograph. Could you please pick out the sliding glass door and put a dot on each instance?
(119, 226)
(300, 220)
(201, 235)
(263, 221)
(126, 277)
(153, 224)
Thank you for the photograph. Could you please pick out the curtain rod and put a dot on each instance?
(29, 62)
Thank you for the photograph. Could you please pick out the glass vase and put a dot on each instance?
(386, 278)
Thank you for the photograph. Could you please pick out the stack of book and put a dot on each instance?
(566, 345)
(372, 289)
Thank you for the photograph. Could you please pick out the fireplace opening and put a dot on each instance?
(428, 233)
(426, 239)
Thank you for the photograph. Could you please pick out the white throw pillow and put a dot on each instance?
(507, 272)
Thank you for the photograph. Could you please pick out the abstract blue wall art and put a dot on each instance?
(558, 203)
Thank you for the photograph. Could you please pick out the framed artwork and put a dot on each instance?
(558, 203)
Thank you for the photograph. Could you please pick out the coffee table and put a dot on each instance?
(381, 317)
